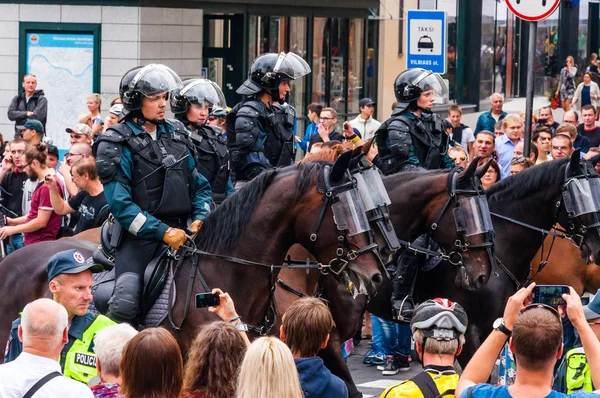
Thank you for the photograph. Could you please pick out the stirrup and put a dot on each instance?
(397, 311)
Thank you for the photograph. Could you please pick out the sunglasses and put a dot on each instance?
(518, 160)
(462, 158)
(543, 306)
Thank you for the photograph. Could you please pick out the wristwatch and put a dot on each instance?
(499, 325)
(241, 326)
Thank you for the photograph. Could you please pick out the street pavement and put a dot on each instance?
(368, 379)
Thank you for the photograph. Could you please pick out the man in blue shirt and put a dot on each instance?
(535, 335)
(150, 182)
(487, 120)
(505, 144)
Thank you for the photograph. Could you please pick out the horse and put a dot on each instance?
(418, 200)
(256, 226)
(523, 206)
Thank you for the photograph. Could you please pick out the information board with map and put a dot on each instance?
(64, 66)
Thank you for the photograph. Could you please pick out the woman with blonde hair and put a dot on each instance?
(566, 84)
(268, 371)
(94, 101)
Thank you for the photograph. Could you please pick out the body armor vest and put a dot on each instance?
(212, 160)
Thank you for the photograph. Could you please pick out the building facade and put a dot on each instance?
(83, 46)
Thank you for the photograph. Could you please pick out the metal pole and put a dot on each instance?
(529, 92)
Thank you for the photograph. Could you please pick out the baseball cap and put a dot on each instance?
(33, 125)
(592, 310)
(70, 262)
(365, 102)
(52, 149)
(80, 128)
(116, 109)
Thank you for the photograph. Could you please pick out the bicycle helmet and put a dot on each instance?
(440, 319)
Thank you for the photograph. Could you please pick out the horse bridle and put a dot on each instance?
(461, 244)
(573, 233)
(344, 252)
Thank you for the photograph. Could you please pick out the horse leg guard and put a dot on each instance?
(408, 266)
(124, 305)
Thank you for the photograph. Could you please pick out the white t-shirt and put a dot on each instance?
(18, 376)
(28, 188)
(467, 136)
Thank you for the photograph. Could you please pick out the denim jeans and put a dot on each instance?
(14, 242)
(390, 337)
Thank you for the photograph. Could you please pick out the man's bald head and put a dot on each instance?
(43, 322)
(81, 148)
(497, 102)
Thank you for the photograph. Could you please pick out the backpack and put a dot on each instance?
(577, 375)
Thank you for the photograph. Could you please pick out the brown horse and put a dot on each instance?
(259, 223)
(565, 267)
(417, 200)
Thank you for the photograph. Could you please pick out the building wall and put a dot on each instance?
(390, 62)
(130, 36)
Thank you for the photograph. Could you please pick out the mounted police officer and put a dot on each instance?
(260, 129)
(151, 183)
(70, 282)
(192, 105)
(412, 139)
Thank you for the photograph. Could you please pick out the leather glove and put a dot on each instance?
(196, 225)
(175, 238)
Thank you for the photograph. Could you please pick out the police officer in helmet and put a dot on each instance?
(192, 105)
(260, 131)
(412, 139)
(151, 183)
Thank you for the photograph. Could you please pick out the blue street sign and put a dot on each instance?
(427, 40)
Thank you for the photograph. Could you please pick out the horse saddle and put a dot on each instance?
(155, 275)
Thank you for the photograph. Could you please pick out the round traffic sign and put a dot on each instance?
(533, 10)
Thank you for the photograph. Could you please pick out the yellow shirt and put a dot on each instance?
(444, 378)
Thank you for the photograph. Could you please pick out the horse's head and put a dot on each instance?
(580, 212)
(463, 228)
(331, 222)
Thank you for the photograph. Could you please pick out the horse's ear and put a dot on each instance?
(339, 168)
(367, 146)
(574, 163)
(470, 170)
(481, 170)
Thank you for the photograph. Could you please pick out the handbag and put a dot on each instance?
(554, 102)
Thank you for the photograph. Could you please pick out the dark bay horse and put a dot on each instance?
(417, 201)
(259, 223)
(532, 197)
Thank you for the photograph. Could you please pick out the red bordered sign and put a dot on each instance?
(533, 10)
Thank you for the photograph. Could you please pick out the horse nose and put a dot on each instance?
(481, 280)
(377, 278)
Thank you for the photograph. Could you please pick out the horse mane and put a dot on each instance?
(529, 181)
(408, 176)
(224, 225)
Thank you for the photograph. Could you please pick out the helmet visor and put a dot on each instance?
(291, 65)
(155, 79)
(349, 213)
(203, 91)
(472, 216)
(432, 81)
(582, 196)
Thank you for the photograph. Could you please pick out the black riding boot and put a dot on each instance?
(124, 305)
(407, 267)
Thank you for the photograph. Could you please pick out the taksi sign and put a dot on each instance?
(533, 10)
(427, 40)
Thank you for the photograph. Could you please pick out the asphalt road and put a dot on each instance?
(368, 379)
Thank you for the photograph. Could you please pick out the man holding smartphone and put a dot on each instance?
(535, 334)
(12, 189)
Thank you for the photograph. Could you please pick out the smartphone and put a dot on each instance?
(207, 300)
(550, 294)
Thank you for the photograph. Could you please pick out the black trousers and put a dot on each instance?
(134, 254)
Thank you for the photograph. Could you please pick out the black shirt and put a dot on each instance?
(92, 210)
(593, 135)
(12, 192)
(334, 136)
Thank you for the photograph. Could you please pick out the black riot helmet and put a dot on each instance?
(269, 70)
(196, 91)
(412, 82)
(146, 81)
